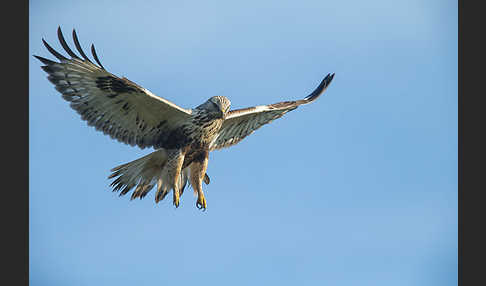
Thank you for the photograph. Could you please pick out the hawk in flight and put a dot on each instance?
(182, 138)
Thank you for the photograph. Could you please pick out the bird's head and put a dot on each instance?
(218, 105)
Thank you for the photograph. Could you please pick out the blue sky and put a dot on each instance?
(357, 188)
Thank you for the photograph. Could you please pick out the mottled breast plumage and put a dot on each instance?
(205, 126)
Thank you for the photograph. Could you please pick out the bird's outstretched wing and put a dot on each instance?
(116, 106)
(242, 122)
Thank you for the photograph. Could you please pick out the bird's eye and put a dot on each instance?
(217, 107)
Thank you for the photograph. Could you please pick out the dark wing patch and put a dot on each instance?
(117, 85)
(242, 122)
(116, 106)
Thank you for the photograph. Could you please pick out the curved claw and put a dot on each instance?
(201, 203)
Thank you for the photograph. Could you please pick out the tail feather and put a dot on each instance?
(142, 173)
(162, 189)
(141, 190)
(184, 181)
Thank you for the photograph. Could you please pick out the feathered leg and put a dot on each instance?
(176, 177)
(171, 172)
(197, 174)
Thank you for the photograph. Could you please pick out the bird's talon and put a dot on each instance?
(201, 203)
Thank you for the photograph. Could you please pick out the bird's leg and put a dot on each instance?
(174, 165)
(198, 170)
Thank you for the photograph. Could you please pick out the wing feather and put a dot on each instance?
(242, 122)
(65, 45)
(93, 51)
(115, 106)
(78, 46)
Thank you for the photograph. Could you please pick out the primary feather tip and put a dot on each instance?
(321, 88)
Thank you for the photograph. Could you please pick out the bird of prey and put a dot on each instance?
(182, 138)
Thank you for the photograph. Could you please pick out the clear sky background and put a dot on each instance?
(357, 188)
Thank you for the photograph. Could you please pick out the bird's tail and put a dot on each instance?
(143, 174)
